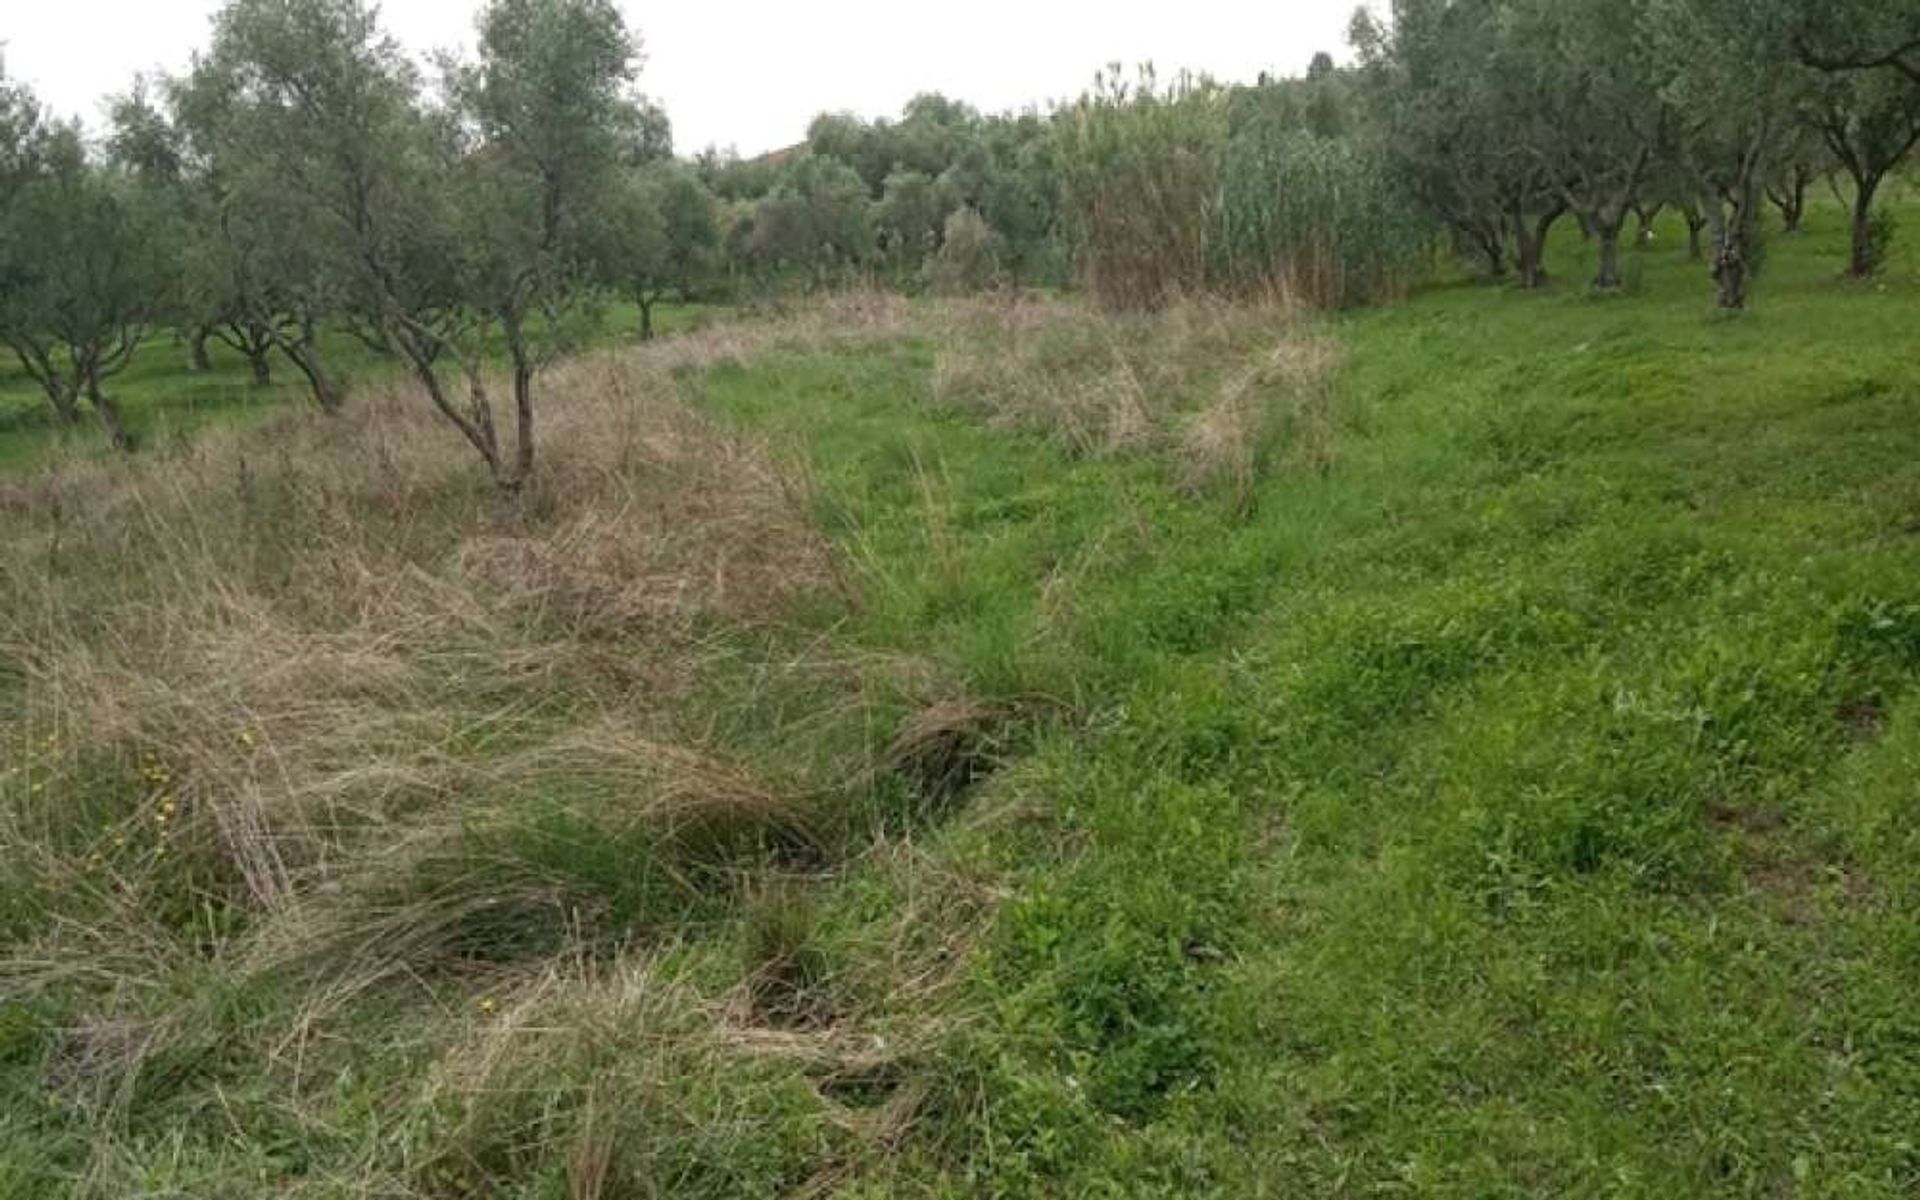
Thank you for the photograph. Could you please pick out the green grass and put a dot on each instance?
(1534, 781)
(1519, 802)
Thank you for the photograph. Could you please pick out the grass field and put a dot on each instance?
(1462, 749)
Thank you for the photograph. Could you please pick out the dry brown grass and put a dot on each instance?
(295, 711)
(300, 626)
(1210, 387)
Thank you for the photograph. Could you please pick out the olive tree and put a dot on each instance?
(908, 218)
(1587, 75)
(1869, 121)
(85, 278)
(1727, 64)
(303, 144)
(1463, 127)
(438, 229)
(658, 233)
(223, 291)
(817, 222)
(1020, 199)
(969, 256)
(1860, 35)
(541, 114)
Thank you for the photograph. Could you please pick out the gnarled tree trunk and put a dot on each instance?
(1608, 277)
(1861, 255)
(197, 356)
(476, 424)
(325, 392)
(107, 410)
(1791, 199)
(1530, 243)
(62, 395)
(1646, 215)
(1735, 238)
(523, 371)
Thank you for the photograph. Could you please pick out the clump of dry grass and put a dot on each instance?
(1212, 388)
(947, 746)
(301, 634)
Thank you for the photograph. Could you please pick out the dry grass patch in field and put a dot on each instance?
(315, 715)
(1213, 388)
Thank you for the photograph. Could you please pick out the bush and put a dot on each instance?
(969, 257)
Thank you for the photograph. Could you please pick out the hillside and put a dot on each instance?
(1461, 748)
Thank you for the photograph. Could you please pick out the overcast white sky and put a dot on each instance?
(753, 74)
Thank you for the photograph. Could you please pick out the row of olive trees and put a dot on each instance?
(1504, 116)
(303, 176)
(944, 197)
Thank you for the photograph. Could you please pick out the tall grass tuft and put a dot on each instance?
(1216, 392)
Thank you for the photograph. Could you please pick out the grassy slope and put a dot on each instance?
(1523, 807)
(1517, 802)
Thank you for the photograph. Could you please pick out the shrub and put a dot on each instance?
(969, 257)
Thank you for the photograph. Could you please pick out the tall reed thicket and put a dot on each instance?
(1165, 194)
(1315, 218)
(1140, 183)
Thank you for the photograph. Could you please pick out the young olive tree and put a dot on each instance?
(27, 144)
(543, 112)
(434, 230)
(219, 292)
(301, 140)
(658, 234)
